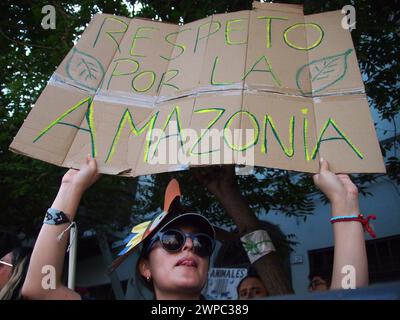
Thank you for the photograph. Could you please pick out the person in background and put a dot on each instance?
(13, 269)
(318, 283)
(251, 286)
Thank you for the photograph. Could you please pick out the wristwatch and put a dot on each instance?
(55, 217)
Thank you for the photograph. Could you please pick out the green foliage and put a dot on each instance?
(29, 56)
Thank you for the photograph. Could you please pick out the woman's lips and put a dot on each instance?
(187, 262)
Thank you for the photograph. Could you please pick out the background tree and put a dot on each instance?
(29, 56)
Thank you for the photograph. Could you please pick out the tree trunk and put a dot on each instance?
(269, 267)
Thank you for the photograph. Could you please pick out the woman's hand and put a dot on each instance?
(82, 179)
(340, 190)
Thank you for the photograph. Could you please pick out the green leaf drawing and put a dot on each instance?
(323, 73)
(84, 69)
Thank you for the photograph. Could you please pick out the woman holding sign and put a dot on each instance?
(177, 245)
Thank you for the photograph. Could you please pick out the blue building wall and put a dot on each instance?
(317, 232)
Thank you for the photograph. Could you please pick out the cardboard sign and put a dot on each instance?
(268, 87)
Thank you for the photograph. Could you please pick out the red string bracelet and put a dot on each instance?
(359, 218)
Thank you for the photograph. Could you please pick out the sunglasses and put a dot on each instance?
(173, 240)
(6, 263)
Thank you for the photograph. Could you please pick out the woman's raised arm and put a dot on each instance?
(49, 251)
(349, 243)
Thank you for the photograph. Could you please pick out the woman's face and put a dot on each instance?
(5, 270)
(181, 272)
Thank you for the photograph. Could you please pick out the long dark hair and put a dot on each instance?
(20, 262)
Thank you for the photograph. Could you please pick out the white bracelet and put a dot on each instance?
(257, 244)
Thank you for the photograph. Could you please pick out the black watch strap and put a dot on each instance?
(55, 217)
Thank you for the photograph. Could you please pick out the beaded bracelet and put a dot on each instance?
(55, 217)
(359, 218)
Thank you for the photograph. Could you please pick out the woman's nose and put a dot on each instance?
(188, 244)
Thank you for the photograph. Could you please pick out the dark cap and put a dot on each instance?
(173, 214)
